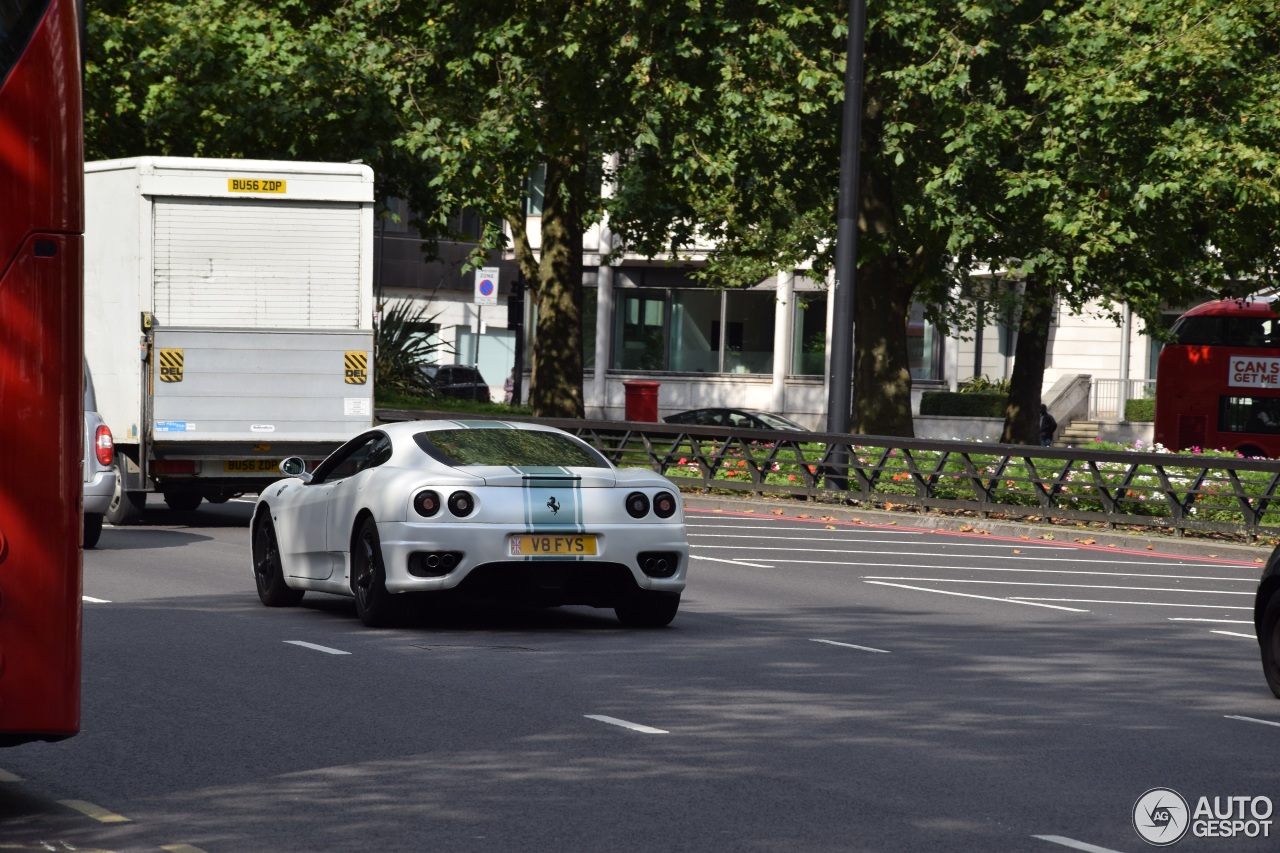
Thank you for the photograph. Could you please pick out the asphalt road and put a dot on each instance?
(827, 686)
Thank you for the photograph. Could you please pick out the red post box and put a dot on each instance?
(642, 400)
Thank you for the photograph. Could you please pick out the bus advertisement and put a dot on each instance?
(1218, 384)
(41, 369)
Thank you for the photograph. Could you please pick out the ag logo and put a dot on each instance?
(1161, 817)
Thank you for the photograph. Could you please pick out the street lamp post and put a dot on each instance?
(839, 395)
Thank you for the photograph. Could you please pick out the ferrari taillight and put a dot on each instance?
(103, 446)
(426, 504)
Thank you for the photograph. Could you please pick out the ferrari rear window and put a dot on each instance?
(505, 446)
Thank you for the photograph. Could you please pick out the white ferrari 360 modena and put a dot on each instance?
(486, 509)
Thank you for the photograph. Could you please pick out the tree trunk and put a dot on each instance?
(555, 386)
(1022, 412)
(881, 367)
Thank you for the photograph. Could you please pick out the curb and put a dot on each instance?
(1064, 534)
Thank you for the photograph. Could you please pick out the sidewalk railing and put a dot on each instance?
(1106, 401)
(1174, 492)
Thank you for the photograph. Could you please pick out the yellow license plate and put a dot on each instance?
(560, 545)
(251, 466)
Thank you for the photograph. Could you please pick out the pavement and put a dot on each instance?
(1082, 533)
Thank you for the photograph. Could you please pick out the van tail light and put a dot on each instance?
(104, 447)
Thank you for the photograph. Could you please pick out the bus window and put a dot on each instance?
(1249, 414)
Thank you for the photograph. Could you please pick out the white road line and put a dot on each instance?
(1073, 844)
(1003, 544)
(324, 649)
(1234, 634)
(91, 600)
(1066, 585)
(1153, 562)
(635, 727)
(1252, 720)
(851, 646)
(6, 776)
(1147, 603)
(774, 528)
(731, 562)
(1217, 621)
(983, 597)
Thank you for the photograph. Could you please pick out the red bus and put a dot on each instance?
(41, 369)
(1218, 385)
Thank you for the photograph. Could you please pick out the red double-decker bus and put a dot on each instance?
(1218, 385)
(41, 369)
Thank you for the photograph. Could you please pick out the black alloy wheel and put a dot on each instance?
(1269, 640)
(268, 568)
(374, 605)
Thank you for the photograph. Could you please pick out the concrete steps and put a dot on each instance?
(1077, 434)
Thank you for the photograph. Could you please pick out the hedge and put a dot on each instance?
(967, 405)
(1140, 410)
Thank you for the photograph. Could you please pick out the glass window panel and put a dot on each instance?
(640, 337)
(809, 344)
(748, 331)
(695, 321)
(589, 302)
(536, 186)
(924, 346)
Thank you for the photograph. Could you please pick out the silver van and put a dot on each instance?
(99, 476)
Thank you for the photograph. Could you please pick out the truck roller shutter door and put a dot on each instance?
(252, 263)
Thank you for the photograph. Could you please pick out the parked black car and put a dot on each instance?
(736, 418)
(459, 380)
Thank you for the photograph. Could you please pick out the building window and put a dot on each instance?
(924, 347)
(641, 331)
(695, 331)
(695, 323)
(748, 323)
(535, 189)
(809, 341)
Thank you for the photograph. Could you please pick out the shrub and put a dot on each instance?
(971, 404)
(1140, 410)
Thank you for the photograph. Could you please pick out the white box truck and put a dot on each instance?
(228, 319)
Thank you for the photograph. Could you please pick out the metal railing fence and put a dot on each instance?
(1106, 402)
(1177, 493)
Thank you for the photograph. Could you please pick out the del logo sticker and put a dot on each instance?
(356, 363)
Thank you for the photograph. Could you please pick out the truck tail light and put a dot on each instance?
(104, 447)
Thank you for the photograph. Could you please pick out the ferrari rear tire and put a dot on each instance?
(648, 609)
(1269, 640)
(376, 607)
(268, 568)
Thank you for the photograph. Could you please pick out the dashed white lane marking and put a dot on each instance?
(730, 562)
(772, 529)
(1216, 621)
(181, 848)
(1153, 562)
(1006, 544)
(88, 599)
(1058, 585)
(1073, 844)
(1234, 634)
(635, 727)
(1142, 603)
(851, 646)
(983, 597)
(98, 813)
(1252, 720)
(324, 649)
(6, 776)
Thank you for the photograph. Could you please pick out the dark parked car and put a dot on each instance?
(735, 418)
(459, 380)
